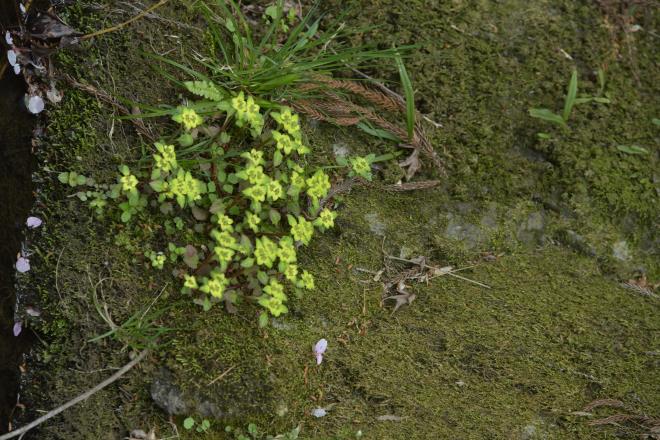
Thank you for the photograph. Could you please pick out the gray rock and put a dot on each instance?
(531, 231)
(167, 395)
(460, 230)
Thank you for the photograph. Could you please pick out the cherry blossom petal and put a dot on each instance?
(18, 328)
(12, 57)
(319, 412)
(33, 222)
(22, 264)
(9, 39)
(319, 349)
(35, 104)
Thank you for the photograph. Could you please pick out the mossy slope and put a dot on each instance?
(461, 361)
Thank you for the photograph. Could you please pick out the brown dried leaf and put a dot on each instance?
(412, 164)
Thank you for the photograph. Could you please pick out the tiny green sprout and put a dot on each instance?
(157, 260)
(189, 423)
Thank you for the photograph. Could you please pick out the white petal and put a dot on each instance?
(319, 412)
(35, 104)
(33, 222)
(23, 10)
(11, 56)
(8, 39)
(17, 69)
(321, 346)
(22, 265)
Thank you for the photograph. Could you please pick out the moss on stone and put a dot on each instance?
(461, 361)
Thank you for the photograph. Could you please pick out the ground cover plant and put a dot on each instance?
(231, 180)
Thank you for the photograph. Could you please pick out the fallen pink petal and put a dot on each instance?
(320, 348)
(22, 264)
(33, 222)
(33, 311)
(18, 328)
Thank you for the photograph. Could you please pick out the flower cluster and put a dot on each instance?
(240, 212)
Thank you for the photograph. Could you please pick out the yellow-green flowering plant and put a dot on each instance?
(236, 203)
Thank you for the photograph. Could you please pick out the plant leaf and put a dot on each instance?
(632, 149)
(547, 115)
(409, 94)
(570, 96)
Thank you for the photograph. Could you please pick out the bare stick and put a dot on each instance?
(424, 265)
(78, 399)
(125, 23)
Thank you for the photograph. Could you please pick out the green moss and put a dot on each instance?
(462, 361)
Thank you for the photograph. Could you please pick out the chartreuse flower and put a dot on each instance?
(255, 174)
(326, 219)
(288, 120)
(273, 298)
(128, 183)
(223, 254)
(284, 142)
(275, 289)
(247, 111)
(298, 181)
(187, 117)
(287, 250)
(274, 190)
(301, 229)
(256, 193)
(239, 104)
(157, 260)
(252, 221)
(166, 160)
(190, 282)
(306, 280)
(318, 185)
(254, 157)
(184, 187)
(273, 305)
(225, 222)
(265, 252)
(290, 272)
(361, 167)
(224, 239)
(215, 285)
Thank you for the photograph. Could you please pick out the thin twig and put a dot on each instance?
(224, 373)
(125, 23)
(78, 399)
(424, 265)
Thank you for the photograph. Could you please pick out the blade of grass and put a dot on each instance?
(570, 96)
(409, 95)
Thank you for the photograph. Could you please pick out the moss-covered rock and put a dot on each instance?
(540, 221)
